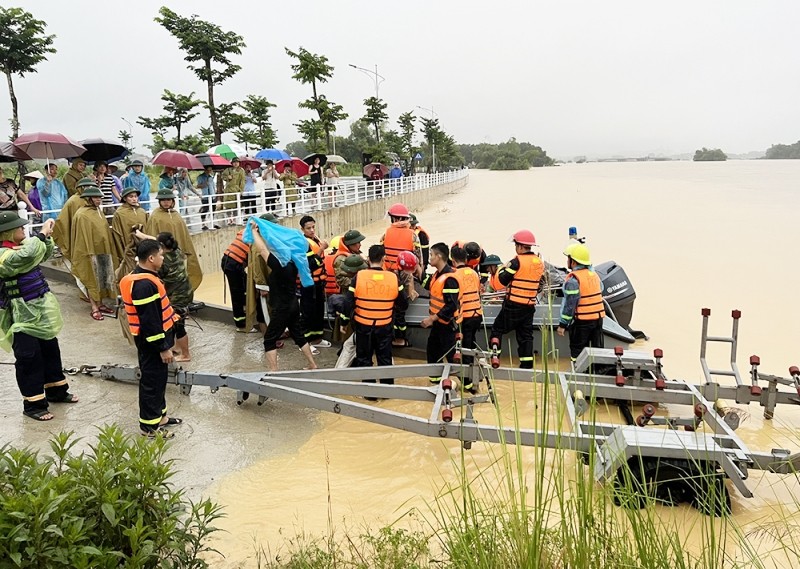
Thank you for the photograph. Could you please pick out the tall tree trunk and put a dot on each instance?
(377, 134)
(212, 110)
(14, 109)
(178, 143)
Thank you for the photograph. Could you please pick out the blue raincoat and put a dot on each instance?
(52, 195)
(285, 243)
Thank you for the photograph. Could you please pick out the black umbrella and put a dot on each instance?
(216, 161)
(103, 149)
(10, 153)
(323, 159)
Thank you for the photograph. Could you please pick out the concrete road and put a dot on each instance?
(217, 436)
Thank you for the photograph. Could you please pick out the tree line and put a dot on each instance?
(210, 50)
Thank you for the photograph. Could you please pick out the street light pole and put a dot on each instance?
(433, 142)
(377, 77)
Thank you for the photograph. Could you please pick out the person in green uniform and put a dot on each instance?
(30, 318)
(128, 216)
(179, 290)
(289, 180)
(234, 186)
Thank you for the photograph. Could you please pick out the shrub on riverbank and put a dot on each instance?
(111, 506)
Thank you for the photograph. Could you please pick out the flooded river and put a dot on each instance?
(689, 235)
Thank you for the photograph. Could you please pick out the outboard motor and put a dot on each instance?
(618, 292)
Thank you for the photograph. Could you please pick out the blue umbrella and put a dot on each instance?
(272, 154)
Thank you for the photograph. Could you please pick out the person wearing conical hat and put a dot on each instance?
(92, 252)
(164, 218)
(30, 318)
(128, 216)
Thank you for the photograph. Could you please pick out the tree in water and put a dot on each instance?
(209, 47)
(312, 69)
(376, 115)
(23, 45)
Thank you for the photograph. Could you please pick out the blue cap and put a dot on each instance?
(573, 231)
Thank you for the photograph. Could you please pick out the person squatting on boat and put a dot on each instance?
(522, 277)
(30, 317)
(582, 311)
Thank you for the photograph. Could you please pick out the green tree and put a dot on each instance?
(312, 69)
(209, 47)
(126, 138)
(709, 155)
(313, 133)
(376, 115)
(178, 110)
(258, 115)
(23, 45)
(393, 142)
(406, 122)
(245, 135)
(783, 151)
(297, 148)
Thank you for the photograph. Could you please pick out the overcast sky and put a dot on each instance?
(575, 77)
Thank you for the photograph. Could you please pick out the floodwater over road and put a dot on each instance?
(689, 235)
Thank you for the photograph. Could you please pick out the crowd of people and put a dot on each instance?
(282, 280)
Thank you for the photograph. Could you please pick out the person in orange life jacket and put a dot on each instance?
(471, 310)
(476, 257)
(400, 237)
(374, 294)
(424, 240)
(312, 298)
(234, 267)
(349, 245)
(406, 267)
(582, 311)
(444, 313)
(30, 317)
(522, 277)
(490, 267)
(331, 287)
(283, 305)
(151, 319)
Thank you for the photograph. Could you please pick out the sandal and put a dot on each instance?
(105, 309)
(97, 315)
(68, 398)
(172, 421)
(39, 415)
(158, 432)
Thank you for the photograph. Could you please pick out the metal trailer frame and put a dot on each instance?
(607, 446)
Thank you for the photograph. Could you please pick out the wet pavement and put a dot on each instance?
(217, 437)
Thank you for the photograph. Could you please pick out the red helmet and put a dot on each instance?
(524, 237)
(407, 260)
(399, 210)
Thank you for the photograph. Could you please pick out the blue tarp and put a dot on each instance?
(285, 243)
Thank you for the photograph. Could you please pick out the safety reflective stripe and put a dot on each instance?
(34, 397)
(526, 358)
(147, 300)
(572, 291)
(449, 291)
(590, 304)
(566, 318)
(239, 318)
(313, 333)
(438, 291)
(524, 286)
(469, 286)
(55, 383)
(160, 336)
(155, 421)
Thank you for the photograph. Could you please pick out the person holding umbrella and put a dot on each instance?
(52, 192)
(140, 181)
(234, 186)
(30, 318)
(289, 181)
(332, 179)
(315, 173)
(205, 183)
(270, 178)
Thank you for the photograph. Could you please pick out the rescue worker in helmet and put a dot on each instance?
(400, 237)
(522, 277)
(490, 267)
(406, 268)
(349, 245)
(424, 240)
(471, 309)
(582, 311)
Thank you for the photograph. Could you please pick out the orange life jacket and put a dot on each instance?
(395, 240)
(317, 274)
(238, 249)
(437, 291)
(375, 293)
(525, 284)
(590, 303)
(469, 283)
(330, 273)
(168, 316)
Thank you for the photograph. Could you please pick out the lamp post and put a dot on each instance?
(433, 142)
(130, 130)
(377, 77)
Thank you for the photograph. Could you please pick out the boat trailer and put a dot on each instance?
(686, 460)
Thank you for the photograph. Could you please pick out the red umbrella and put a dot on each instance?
(11, 153)
(177, 159)
(298, 166)
(216, 161)
(370, 168)
(49, 145)
(249, 160)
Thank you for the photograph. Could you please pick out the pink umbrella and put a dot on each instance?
(298, 166)
(49, 145)
(177, 159)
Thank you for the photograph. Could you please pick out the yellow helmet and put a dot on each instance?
(579, 253)
(335, 242)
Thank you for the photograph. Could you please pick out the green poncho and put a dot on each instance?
(41, 317)
(176, 279)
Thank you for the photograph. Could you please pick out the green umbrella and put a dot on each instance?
(229, 151)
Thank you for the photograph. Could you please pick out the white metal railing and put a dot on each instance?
(346, 191)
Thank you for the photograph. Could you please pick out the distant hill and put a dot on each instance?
(783, 151)
(709, 155)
